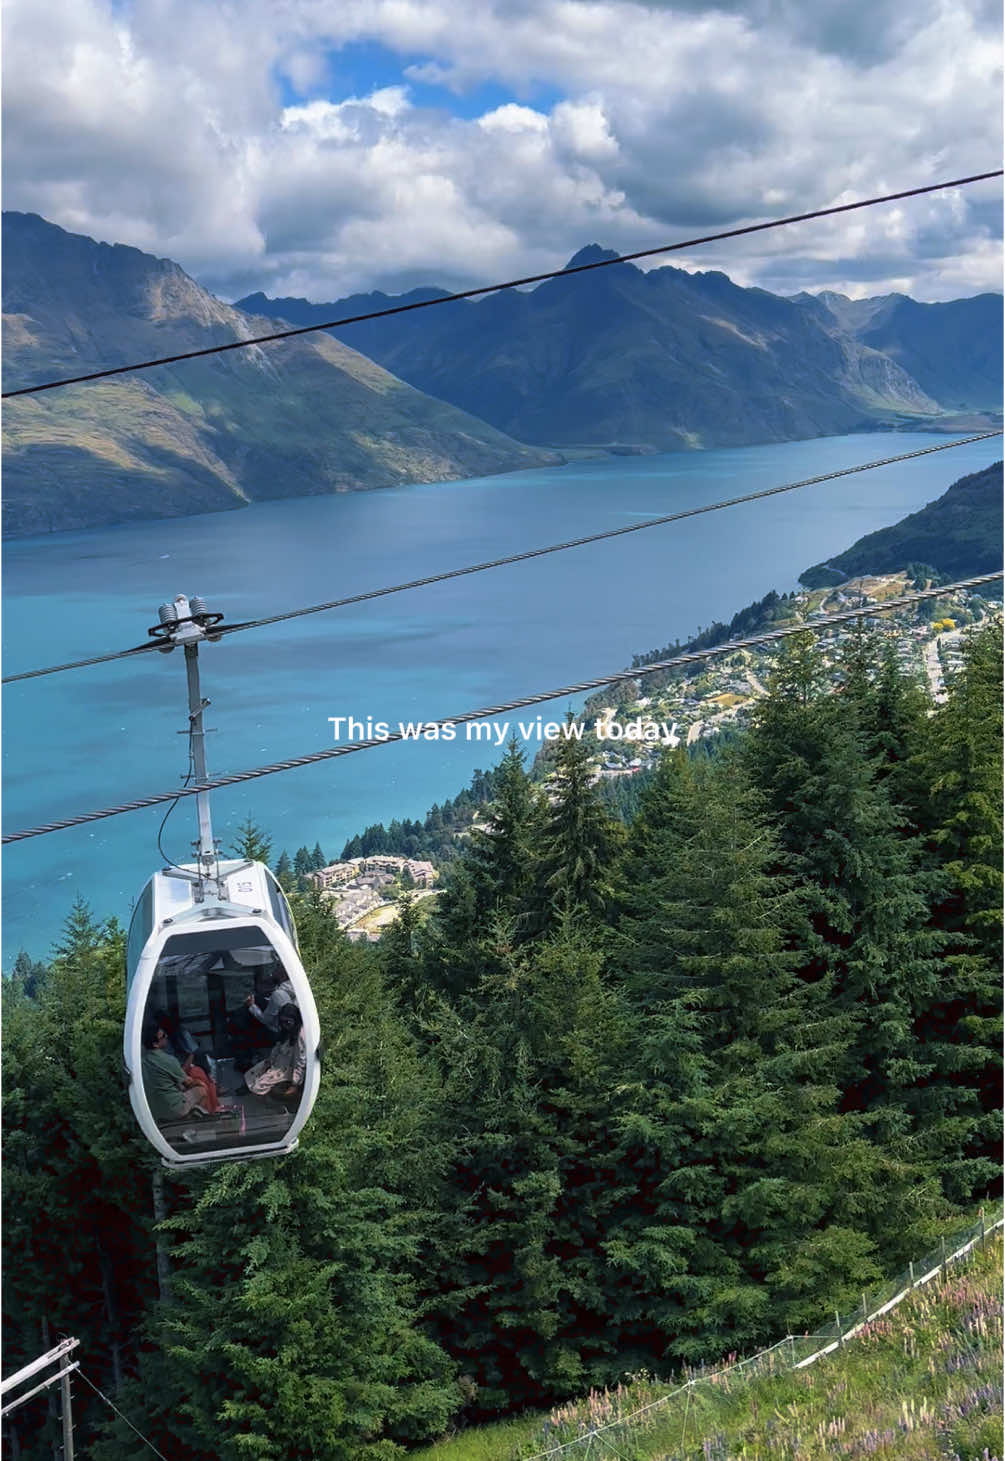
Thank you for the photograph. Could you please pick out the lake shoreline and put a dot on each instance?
(571, 454)
(91, 738)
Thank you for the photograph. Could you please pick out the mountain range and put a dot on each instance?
(617, 360)
(953, 350)
(306, 416)
(665, 359)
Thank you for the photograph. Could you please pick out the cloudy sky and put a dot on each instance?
(322, 147)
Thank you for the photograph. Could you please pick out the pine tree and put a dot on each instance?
(399, 955)
(284, 872)
(28, 974)
(302, 868)
(501, 855)
(78, 1256)
(492, 881)
(318, 858)
(868, 909)
(870, 934)
(891, 708)
(252, 842)
(744, 1211)
(577, 844)
(529, 1065)
(961, 767)
(82, 935)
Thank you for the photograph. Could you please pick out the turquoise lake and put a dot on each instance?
(90, 738)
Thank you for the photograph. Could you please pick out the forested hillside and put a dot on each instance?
(960, 533)
(635, 1096)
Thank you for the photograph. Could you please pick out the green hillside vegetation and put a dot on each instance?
(922, 1382)
(633, 1099)
(665, 360)
(436, 836)
(958, 534)
(305, 417)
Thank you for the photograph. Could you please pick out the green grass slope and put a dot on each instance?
(958, 534)
(922, 1383)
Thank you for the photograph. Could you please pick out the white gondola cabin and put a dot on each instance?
(217, 995)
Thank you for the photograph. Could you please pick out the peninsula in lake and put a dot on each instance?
(959, 534)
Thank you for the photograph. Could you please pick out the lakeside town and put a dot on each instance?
(717, 695)
(361, 891)
(723, 692)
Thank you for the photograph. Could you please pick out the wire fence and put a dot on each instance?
(612, 1424)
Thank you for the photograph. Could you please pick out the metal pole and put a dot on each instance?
(943, 1264)
(50, 1396)
(837, 1320)
(67, 1419)
(30, 1394)
(910, 1269)
(63, 1348)
(196, 705)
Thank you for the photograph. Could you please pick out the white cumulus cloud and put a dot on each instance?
(171, 125)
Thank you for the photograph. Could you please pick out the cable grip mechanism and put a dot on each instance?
(186, 620)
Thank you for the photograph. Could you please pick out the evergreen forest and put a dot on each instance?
(644, 1091)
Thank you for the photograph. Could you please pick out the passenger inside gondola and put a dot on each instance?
(255, 1026)
(171, 1094)
(222, 1005)
(281, 1074)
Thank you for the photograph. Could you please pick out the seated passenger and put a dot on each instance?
(254, 1027)
(281, 994)
(281, 1074)
(170, 1093)
(196, 1064)
(180, 1041)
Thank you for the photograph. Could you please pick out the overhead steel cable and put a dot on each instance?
(652, 522)
(379, 593)
(398, 309)
(596, 683)
(80, 664)
(111, 1404)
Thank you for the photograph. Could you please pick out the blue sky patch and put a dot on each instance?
(361, 67)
